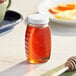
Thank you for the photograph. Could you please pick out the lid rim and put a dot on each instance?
(38, 19)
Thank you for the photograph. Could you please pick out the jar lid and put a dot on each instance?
(38, 19)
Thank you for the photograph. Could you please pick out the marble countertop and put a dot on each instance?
(12, 52)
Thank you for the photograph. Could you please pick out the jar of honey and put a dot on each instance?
(38, 39)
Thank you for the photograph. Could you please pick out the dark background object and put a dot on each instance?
(11, 19)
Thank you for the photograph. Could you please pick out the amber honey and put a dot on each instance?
(37, 44)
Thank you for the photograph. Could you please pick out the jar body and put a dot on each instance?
(37, 43)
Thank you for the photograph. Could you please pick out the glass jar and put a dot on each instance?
(38, 39)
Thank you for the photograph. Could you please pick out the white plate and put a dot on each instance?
(46, 4)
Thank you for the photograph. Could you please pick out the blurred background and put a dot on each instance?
(25, 7)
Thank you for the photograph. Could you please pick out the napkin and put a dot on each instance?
(51, 72)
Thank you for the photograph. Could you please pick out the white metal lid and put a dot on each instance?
(38, 19)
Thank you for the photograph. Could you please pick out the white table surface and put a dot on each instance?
(12, 51)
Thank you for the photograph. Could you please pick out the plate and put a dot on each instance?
(11, 19)
(46, 4)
